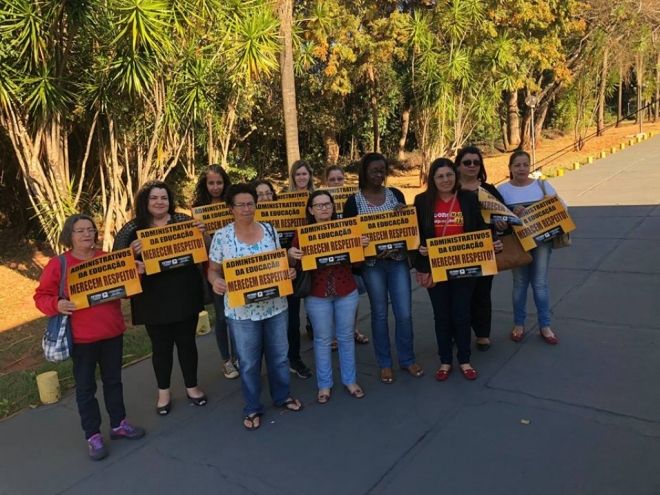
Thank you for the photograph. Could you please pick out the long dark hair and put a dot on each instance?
(431, 193)
(257, 182)
(202, 196)
(367, 160)
(310, 202)
(143, 218)
(472, 150)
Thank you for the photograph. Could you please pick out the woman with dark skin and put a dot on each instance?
(444, 209)
(387, 275)
(470, 166)
(170, 301)
(211, 188)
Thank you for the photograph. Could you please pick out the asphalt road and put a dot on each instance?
(579, 418)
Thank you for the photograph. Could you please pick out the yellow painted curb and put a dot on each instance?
(603, 154)
(622, 146)
(560, 172)
(48, 384)
(590, 159)
(576, 166)
(203, 323)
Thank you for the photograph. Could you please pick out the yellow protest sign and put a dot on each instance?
(293, 196)
(330, 243)
(257, 277)
(285, 216)
(390, 230)
(214, 216)
(462, 256)
(493, 211)
(172, 246)
(340, 195)
(543, 221)
(104, 278)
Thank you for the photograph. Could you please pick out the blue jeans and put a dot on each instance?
(223, 336)
(393, 278)
(255, 339)
(330, 315)
(536, 274)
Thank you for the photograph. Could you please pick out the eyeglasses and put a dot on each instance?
(248, 206)
(469, 163)
(84, 231)
(322, 206)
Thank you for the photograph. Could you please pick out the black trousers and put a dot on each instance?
(108, 355)
(481, 308)
(293, 332)
(163, 338)
(451, 312)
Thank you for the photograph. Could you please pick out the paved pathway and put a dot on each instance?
(579, 418)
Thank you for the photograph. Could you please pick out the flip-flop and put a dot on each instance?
(253, 421)
(358, 393)
(323, 398)
(386, 375)
(414, 369)
(291, 403)
(360, 338)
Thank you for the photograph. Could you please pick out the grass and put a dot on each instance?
(21, 360)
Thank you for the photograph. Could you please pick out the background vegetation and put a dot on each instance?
(99, 96)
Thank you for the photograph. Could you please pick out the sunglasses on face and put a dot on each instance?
(469, 163)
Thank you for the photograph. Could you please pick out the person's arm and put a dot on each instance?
(215, 276)
(47, 295)
(398, 195)
(420, 258)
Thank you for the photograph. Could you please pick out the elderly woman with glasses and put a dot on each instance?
(98, 338)
(259, 328)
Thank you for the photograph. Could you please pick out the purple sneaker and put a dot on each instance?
(97, 450)
(126, 430)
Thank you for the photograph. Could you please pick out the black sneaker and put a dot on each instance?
(299, 368)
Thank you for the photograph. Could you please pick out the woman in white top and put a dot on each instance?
(520, 192)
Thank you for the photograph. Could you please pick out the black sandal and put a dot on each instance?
(253, 421)
(198, 401)
(293, 405)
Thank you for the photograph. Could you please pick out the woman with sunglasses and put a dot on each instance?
(331, 306)
(470, 166)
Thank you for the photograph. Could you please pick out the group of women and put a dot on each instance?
(171, 300)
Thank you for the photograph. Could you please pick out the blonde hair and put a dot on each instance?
(298, 164)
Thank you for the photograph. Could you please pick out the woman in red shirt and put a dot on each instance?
(331, 306)
(97, 338)
(442, 210)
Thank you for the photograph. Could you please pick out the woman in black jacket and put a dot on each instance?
(443, 209)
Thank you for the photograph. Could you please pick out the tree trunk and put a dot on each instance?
(539, 119)
(374, 107)
(405, 125)
(656, 114)
(512, 119)
(619, 105)
(525, 130)
(639, 69)
(331, 146)
(285, 13)
(602, 86)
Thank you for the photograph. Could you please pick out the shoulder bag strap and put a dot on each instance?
(62, 274)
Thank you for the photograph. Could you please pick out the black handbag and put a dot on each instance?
(302, 284)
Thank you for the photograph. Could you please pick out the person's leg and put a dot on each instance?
(186, 347)
(440, 302)
(221, 335)
(85, 357)
(521, 276)
(110, 359)
(249, 348)
(320, 312)
(398, 285)
(539, 283)
(481, 308)
(275, 350)
(375, 279)
(344, 311)
(162, 347)
(461, 296)
(293, 331)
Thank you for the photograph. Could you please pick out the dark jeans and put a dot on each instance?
(107, 354)
(293, 331)
(223, 336)
(451, 311)
(163, 338)
(481, 307)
